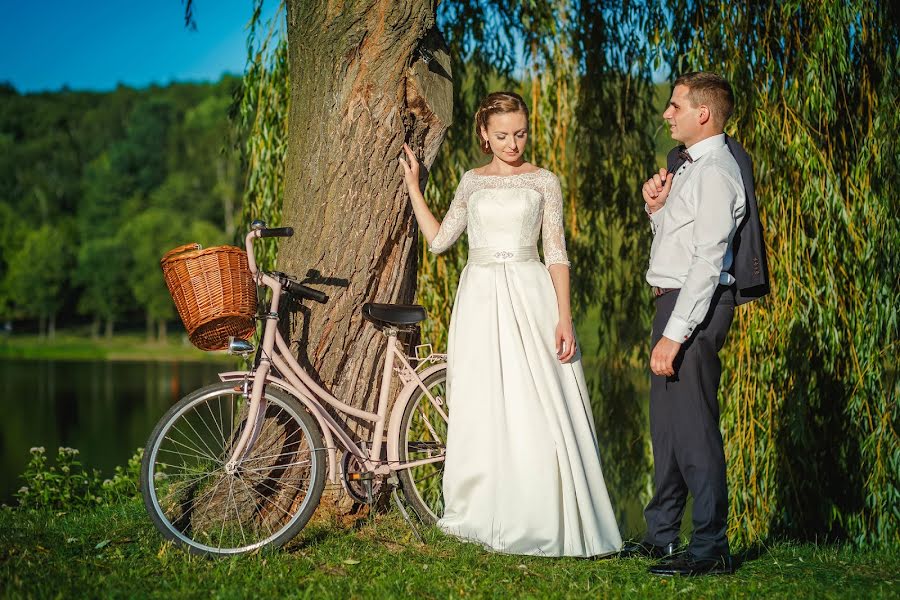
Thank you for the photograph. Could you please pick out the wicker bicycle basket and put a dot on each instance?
(213, 291)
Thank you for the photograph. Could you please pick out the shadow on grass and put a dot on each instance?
(749, 554)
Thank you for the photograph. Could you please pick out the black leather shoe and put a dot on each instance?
(645, 550)
(689, 565)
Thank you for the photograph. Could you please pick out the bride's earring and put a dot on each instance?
(487, 146)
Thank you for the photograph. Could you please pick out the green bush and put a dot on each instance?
(69, 484)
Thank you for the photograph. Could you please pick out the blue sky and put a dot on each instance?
(95, 45)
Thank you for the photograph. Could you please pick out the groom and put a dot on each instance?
(707, 255)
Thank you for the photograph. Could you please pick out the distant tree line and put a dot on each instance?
(95, 187)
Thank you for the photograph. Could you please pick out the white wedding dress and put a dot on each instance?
(522, 472)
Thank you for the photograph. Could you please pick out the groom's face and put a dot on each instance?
(682, 116)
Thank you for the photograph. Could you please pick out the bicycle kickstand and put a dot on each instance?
(393, 481)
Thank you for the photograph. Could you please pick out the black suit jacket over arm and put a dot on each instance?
(750, 267)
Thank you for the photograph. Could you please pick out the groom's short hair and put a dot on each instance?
(710, 89)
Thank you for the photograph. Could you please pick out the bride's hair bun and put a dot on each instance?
(496, 103)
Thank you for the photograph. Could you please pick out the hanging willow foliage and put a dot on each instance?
(810, 375)
(809, 383)
(614, 147)
(262, 105)
(587, 78)
(594, 137)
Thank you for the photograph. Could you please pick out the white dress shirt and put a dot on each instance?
(693, 233)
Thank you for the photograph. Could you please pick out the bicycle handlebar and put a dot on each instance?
(276, 232)
(305, 292)
(294, 287)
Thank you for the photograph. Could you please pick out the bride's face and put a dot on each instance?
(507, 133)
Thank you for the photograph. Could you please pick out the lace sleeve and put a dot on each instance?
(552, 233)
(454, 222)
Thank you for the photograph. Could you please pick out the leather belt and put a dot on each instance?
(487, 255)
(659, 291)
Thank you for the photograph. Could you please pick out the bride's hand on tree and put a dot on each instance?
(565, 340)
(410, 170)
(428, 225)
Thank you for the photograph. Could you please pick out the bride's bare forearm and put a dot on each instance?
(428, 225)
(560, 275)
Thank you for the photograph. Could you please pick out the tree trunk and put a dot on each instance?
(149, 327)
(95, 328)
(161, 331)
(110, 326)
(360, 88)
(51, 327)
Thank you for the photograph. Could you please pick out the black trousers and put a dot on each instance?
(688, 455)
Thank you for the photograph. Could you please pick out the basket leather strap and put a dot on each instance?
(175, 251)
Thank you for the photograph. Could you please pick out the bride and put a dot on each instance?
(522, 472)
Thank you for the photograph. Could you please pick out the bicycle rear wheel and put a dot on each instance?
(423, 434)
(264, 502)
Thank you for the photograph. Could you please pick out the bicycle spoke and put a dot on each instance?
(431, 430)
(279, 466)
(225, 514)
(196, 459)
(194, 502)
(270, 500)
(170, 451)
(219, 426)
(424, 432)
(182, 484)
(199, 437)
(434, 474)
(225, 444)
(266, 456)
(200, 416)
(197, 450)
(288, 485)
(237, 514)
(262, 519)
(268, 487)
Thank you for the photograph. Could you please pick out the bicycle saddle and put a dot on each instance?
(393, 314)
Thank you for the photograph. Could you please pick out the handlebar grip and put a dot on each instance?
(276, 232)
(305, 292)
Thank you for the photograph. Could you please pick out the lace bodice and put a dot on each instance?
(506, 211)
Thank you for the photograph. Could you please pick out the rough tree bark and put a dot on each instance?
(361, 85)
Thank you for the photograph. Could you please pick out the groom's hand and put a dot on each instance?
(656, 190)
(662, 359)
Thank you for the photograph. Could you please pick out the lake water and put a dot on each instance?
(107, 409)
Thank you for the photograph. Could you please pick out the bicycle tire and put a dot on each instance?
(264, 482)
(426, 501)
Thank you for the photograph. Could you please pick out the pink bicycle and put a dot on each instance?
(241, 464)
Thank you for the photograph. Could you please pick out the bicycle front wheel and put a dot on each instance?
(266, 500)
(423, 435)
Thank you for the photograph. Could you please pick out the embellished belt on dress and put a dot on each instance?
(484, 256)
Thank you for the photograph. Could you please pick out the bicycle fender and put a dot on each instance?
(393, 435)
(308, 404)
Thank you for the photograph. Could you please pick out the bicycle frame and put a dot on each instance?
(295, 381)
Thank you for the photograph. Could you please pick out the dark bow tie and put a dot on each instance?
(685, 156)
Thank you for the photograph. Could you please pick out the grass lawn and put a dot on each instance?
(70, 346)
(116, 552)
